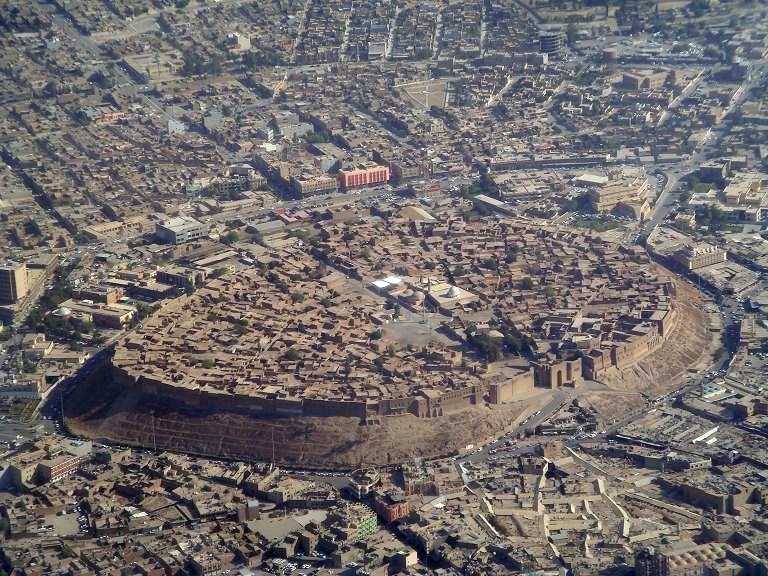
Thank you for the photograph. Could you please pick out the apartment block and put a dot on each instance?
(13, 283)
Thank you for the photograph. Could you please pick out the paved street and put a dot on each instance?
(675, 173)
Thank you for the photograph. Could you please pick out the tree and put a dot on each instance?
(347, 367)
(526, 283)
(215, 64)
(571, 32)
(261, 57)
(194, 64)
(716, 218)
(85, 506)
(315, 137)
(5, 527)
(489, 348)
(512, 344)
(702, 187)
(297, 297)
(190, 63)
(487, 184)
(292, 355)
(240, 330)
(714, 52)
(231, 237)
(491, 264)
(51, 88)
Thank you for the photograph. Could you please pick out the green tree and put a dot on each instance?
(526, 283)
(571, 33)
(487, 184)
(489, 348)
(512, 344)
(231, 237)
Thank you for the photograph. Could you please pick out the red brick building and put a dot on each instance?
(391, 508)
(363, 176)
(60, 467)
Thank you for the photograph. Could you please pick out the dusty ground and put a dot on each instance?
(124, 418)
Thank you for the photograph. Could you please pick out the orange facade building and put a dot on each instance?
(391, 508)
(363, 176)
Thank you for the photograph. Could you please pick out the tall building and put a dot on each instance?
(13, 283)
(551, 41)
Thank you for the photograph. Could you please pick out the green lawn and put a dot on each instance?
(594, 223)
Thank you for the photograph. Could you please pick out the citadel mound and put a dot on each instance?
(325, 354)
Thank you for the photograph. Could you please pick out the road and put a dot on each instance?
(710, 146)
(558, 398)
(531, 10)
(89, 46)
(690, 89)
(53, 400)
(660, 211)
(504, 89)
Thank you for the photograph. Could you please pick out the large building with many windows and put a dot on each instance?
(363, 175)
(700, 255)
(551, 41)
(13, 283)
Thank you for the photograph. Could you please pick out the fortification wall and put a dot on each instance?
(511, 389)
(422, 406)
(638, 347)
(426, 404)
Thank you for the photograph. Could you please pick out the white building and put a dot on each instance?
(181, 229)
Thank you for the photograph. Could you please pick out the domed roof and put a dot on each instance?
(453, 292)
(62, 311)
